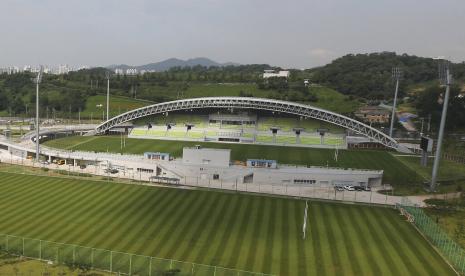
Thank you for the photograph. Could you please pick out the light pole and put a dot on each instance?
(396, 73)
(445, 78)
(107, 75)
(37, 81)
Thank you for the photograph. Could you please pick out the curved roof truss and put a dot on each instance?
(303, 110)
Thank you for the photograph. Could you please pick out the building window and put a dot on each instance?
(216, 176)
(304, 181)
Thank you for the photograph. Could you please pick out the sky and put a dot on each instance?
(290, 34)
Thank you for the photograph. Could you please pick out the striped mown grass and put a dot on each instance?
(248, 232)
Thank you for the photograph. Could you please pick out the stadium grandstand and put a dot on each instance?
(239, 127)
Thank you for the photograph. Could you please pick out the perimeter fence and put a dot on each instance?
(107, 260)
(451, 250)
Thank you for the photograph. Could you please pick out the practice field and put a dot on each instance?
(254, 233)
(395, 172)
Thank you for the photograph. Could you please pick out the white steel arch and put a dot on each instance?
(252, 103)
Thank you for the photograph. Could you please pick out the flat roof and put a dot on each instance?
(209, 149)
(262, 160)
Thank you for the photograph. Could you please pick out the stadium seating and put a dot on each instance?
(264, 138)
(211, 133)
(176, 133)
(310, 140)
(195, 134)
(260, 132)
(248, 135)
(288, 124)
(286, 139)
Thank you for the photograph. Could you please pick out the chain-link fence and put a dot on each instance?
(107, 260)
(452, 251)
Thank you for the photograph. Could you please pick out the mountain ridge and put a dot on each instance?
(169, 63)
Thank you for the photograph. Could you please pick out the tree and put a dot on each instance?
(430, 102)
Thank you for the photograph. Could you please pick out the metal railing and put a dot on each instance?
(108, 260)
(449, 249)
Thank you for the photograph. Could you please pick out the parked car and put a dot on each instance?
(349, 188)
(367, 188)
(358, 188)
(112, 171)
(339, 188)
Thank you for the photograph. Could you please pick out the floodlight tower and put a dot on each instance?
(445, 78)
(107, 76)
(396, 74)
(37, 81)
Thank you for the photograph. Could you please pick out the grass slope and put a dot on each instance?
(395, 172)
(451, 174)
(255, 233)
(118, 105)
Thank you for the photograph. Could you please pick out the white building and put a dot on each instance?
(207, 156)
(131, 71)
(63, 69)
(276, 74)
(206, 164)
(119, 71)
(205, 167)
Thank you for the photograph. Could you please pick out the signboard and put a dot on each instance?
(426, 144)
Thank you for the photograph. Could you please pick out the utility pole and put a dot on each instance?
(422, 123)
(107, 75)
(37, 81)
(396, 74)
(445, 78)
(429, 123)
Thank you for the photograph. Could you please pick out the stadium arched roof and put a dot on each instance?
(252, 103)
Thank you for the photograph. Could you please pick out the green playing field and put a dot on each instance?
(255, 233)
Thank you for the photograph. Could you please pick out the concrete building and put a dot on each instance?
(199, 167)
(373, 114)
(157, 155)
(206, 157)
(131, 71)
(275, 74)
(203, 164)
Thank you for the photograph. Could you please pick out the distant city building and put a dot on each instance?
(83, 67)
(57, 70)
(119, 71)
(275, 74)
(131, 71)
(63, 69)
(373, 114)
